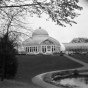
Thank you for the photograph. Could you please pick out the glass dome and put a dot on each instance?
(40, 32)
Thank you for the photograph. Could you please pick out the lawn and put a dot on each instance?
(83, 58)
(30, 66)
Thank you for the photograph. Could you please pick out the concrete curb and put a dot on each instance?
(38, 80)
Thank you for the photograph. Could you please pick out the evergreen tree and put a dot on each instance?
(8, 60)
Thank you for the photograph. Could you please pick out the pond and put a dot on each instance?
(71, 79)
(79, 82)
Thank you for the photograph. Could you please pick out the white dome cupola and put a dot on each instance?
(40, 32)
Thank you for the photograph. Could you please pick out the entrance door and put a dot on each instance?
(49, 49)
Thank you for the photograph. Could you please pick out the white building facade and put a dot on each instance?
(41, 42)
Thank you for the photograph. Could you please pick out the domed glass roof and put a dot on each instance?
(38, 37)
(40, 32)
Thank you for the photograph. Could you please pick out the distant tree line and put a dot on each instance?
(80, 40)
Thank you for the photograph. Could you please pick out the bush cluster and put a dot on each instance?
(8, 59)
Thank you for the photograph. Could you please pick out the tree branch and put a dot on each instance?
(18, 5)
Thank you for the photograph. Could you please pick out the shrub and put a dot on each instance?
(47, 77)
(8, 58)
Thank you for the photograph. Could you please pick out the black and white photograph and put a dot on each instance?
(43, 44)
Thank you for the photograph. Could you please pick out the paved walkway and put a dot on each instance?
(81, 62)
(39, 81)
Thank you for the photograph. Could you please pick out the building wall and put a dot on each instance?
(56, 49)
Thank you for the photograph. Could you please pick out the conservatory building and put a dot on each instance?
(41, 42)
(76, 47)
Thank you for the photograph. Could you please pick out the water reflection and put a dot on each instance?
(75, 82)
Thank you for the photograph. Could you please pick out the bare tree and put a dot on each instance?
(11, 21)
(60, 11)
(13, 13)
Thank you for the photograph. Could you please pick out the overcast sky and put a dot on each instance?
(65, 34)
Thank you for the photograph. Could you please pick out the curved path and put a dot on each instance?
(38, 80)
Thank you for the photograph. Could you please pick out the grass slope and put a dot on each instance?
(83, 58)
(30, 66)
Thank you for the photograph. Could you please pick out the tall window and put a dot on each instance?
(26, 49)
(30, 49)
(36, 49)
(52, 49)
(43, 49)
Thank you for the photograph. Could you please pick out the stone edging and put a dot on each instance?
(39, 79)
